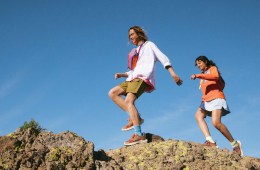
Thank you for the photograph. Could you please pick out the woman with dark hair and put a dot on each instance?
(140, 78)
(213, 103)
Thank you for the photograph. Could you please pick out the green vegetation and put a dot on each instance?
(56, 154)
(31, 125)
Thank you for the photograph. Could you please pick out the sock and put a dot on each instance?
(137, 130)
(209, 138)
(233, 144)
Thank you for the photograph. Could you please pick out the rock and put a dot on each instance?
(153, 138)
(26, 150)
(48, 151)
(8, 143)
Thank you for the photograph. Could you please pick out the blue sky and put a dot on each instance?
(58, 60)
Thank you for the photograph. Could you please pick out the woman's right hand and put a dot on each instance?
(193, 76)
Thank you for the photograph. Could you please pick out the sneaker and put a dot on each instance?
(135, 139)
(130, 124)
(208, 143)
(238, 148)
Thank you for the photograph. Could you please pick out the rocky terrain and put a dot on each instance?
(27, 150)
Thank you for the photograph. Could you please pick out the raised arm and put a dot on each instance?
(214, 75)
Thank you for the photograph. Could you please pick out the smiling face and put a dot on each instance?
(201, 65)
(133, 37)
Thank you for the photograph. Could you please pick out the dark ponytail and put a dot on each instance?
(205, 60)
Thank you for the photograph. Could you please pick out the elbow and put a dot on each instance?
(167, 67)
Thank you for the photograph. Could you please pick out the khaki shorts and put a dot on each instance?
(136, 86)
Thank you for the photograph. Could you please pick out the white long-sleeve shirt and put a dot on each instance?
(145, 66)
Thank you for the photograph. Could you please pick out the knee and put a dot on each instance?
(128, 103)
(199, 117)
(216, 124)
(112, 93)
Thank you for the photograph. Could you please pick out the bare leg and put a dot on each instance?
(200, 118)
(132, 110)
(115, 94)
(216, 121)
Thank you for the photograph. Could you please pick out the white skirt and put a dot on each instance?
(216, 104)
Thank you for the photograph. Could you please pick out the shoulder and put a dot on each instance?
(150, 44)
(213, 68)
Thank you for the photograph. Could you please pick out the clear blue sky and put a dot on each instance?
(58, 59)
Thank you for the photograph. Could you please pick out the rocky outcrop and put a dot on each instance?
(29, 150)
(174, 154)
(25, 150)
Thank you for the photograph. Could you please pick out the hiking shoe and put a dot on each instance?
(130, 124)
(135, 139)
(208, 143)
(238, 148)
